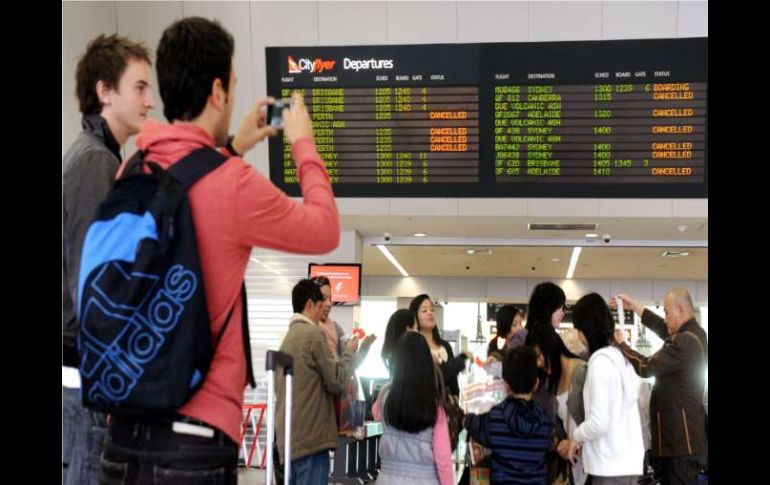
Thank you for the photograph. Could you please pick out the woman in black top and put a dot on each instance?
(450, 365)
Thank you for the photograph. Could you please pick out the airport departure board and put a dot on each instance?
(624, 118)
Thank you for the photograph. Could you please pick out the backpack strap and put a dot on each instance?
(194, 166)
(133, 164)
(246, 338)
(187, 171)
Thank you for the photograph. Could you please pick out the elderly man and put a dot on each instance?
(677, 414)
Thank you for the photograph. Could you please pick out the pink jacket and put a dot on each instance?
(234, 209)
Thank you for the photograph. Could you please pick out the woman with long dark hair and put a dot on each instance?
(400, 321)
(555, 362)
(415, 447)
(546, 306)
(611, 435)
(450, 366)
(545, 313)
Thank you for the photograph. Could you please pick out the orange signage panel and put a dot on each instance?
(345, 280)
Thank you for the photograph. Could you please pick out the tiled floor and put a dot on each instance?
(254, 476)
(251, 476)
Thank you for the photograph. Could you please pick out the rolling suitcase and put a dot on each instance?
(279, 359)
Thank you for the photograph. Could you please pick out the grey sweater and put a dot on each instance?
(88, 170)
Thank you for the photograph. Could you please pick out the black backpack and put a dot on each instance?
(145, 338)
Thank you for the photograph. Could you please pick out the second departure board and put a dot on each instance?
(556, 119)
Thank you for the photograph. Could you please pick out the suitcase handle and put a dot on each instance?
(281, 359)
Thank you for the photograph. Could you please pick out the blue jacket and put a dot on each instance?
(519, 434)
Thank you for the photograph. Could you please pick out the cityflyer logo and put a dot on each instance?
(313, 66)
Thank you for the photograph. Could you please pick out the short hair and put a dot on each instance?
(681, 296)
(192, 53)
(105, 59)
(321, 281)
(520, 369)
(303, 291)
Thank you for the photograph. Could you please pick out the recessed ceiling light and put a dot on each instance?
(419, 234)
(392, 259)
(592, 236)
(471, 251)
(675, 254)
(536, 226)
(554, 259)
(573, 261)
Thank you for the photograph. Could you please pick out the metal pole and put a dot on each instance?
(287, 444)
(270, 426)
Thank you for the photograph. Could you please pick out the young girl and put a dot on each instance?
(414, 448)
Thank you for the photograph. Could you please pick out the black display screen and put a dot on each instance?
(549, 119)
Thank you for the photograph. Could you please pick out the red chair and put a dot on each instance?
(257, 426)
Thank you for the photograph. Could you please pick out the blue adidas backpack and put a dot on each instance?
(144, 337)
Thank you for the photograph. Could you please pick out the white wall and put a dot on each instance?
(374, 320)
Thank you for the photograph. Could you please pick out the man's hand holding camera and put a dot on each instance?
(255, 127)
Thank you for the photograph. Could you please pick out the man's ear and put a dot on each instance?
(217, 94)
(103, 93)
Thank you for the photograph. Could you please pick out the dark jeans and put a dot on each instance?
(83, 433)
(681, 470)
(151, 453)
(311, 469)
